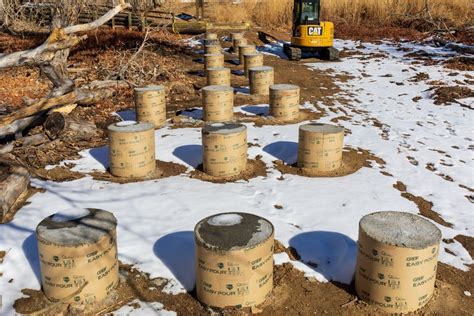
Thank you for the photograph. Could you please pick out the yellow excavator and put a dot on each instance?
(310, 35)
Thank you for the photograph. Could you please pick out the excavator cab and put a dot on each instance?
(309, 33)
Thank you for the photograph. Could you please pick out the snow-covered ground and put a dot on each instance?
(319, 215)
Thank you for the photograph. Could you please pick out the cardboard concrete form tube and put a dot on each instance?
(150, 105)
(234, 36)
(211, 36)
(234, 260)
(78, 256)
(320, 146)
(131, 149)
(218, 103)
(396, 261)
(224, 149)
(213, 49)
(218, 76)
(252, 60)
(245, 49)
(213, 60)
(284, 102)
(238, 42)
(260, 79)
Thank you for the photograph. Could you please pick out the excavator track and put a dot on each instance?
(293, 53)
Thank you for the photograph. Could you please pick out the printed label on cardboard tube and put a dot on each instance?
(224, 155)
(218, 76)
(132, 154)
(245, 49)
(260, 79)
(213, 60)
(211, 36)
(284, 102)
(241, 278)
(319, 150)
(238, 42)
(395, 279)
(213, 49)
(150, 106)
(218, 104)
(64, 270)
(252, 60)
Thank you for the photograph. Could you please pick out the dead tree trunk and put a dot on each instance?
(68, 128)
(13, 184)
(51, 57)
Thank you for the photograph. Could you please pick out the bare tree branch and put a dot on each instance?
(100, 21)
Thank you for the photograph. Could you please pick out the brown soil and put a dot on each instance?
(183, 121)
(54, 152)
(460, 63)
(59, 174)
(64, 173)
(163, 170)
(255, 168)
(352, 161)
(260, 120)
(293, 294)
(19, 84)
(425, 207)
(448, 95)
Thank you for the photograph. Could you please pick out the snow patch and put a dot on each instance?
(70, 215)
(225, 220)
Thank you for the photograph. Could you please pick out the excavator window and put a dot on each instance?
(306, 12)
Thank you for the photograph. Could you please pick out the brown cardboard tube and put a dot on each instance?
(234, 36)
(245, 49)
(150, 105)
(396, 261)
(213, 60)
(320, 146)
(234, 260)
(131, 149)
(78, 256)
(260, 79)
(218, 103)
(252, 60)
(238, 42)
(284, 102)
(213, 49)
(211, 36)
(224, 149)
(218, 76)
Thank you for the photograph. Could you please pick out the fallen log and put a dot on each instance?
(68, 128)
(13, 184)
(21, 119)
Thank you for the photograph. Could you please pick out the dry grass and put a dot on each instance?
(422, 15)
(419, 14)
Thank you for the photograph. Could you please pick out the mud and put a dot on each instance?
(425, 207)
(255, 168)
(163, 170)
(261, 120)
(293, 294)
(352, 161)
(460, 63)
(449, 95)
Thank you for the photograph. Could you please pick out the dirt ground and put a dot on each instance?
(293, 294)
(179, 70)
